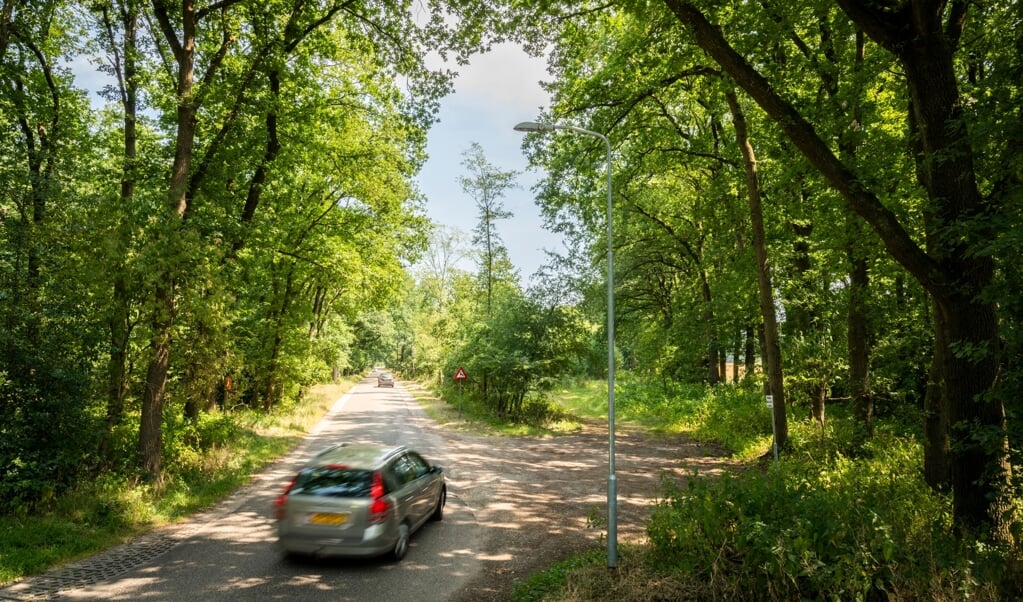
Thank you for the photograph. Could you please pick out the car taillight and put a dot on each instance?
(379, 507)
(282, 500)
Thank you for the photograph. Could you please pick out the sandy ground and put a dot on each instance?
(541, 499)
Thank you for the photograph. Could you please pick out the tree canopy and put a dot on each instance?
(866, 138)
(215, 226)
(818, 198)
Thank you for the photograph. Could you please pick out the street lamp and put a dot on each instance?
(612, 480)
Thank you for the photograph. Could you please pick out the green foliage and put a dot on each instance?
(736, 417)
(49, 335)
(831, 529)
(514, 347)
(837, 124)
(208, 461)
(485, 184)
(300, 214)
(822, 525)
(46, 431)
(518, 353)
(77, 525)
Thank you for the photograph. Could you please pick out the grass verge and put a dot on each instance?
(833, 521)
(585, 577)
(222, 453)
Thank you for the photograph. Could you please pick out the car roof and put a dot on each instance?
(357, 455)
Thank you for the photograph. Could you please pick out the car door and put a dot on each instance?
(423, 485)
(404, 490)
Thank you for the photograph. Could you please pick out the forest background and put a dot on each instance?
(826, 194)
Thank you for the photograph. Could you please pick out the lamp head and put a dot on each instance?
(532, 126)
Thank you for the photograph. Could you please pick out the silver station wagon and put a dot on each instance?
(359, 500)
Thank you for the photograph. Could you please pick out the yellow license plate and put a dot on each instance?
(327, 518)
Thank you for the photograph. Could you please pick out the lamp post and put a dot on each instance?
(612, 479)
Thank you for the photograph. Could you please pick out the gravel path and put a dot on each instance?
(541, 499)
(537, 501)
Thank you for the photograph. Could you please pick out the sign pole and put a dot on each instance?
(460, 376)
(774, 428)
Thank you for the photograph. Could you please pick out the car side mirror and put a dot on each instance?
(436, 469)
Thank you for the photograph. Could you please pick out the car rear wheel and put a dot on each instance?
(401, 546)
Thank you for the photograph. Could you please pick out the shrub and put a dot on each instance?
(844, 529)
(46, 432)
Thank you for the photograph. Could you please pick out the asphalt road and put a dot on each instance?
(228, 553)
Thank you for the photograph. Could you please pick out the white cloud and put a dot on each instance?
(505, 76)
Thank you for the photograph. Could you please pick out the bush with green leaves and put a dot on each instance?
(836, 529)
(516, 355)
(46, 430)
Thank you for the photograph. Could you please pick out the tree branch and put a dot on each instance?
(216, 6)
(860, 199)
(163, 20)
(956, 21)
(882, 21)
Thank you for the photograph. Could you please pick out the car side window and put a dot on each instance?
(392, 480)
(403, 471)
(417, 464)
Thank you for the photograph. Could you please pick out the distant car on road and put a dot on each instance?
(385, 379)
(359, 500)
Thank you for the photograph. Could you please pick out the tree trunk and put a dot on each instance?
(735, 361)
(273, 148)
(937, 467)
(801, 317)
(858, 339)
(964, 320)
(713, 374)
(151, 426)
(270, 387)
(750, 353)
(803, 321)
(39, 139)
(819, 393)
(117, 363)
(118, 318)
(775, 377)
(978, 444)
(859, 336)
(151, 423)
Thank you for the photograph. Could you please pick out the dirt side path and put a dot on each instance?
(534, 496)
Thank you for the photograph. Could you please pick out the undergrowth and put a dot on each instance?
(204, 462)
(842, 529)
(830, 521)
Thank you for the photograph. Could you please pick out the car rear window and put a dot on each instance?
(331, 481)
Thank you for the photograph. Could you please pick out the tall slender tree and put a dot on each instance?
(119, 31)
(486, 185)
(775, 371)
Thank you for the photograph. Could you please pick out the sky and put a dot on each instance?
(493, 93)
